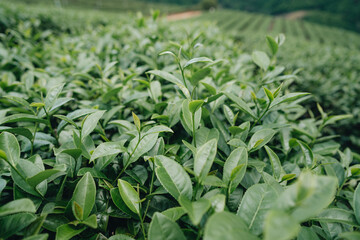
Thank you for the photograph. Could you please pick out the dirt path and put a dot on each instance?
(295, 15)
(183, 15)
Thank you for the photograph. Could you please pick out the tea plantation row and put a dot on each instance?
(131, 128)
(327, 57)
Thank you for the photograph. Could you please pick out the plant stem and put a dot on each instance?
(193, 128)
(151, 188)
(142, 226)
(262, 115)
(196, 190)
(127, 164)
(33, 139)
(51, 128)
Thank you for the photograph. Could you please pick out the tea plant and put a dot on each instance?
(117, 133)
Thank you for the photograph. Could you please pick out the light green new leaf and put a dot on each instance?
(197, 60)
(350, 235)
(10, 147)
(356, 203)
(260, 139)
(280, 226)
(163, 228)
(121, 237)
(237, 157)
(337, 215)
(173, 177)
(158, 129)
(16, 206)
(199, 75)
(167, 76)
(261, 59)
(22, 117)
(272, 44)
(204, 159)
(52, 95)
(91, 221)
(145, 145)
(90, 122)
(257, 201)
(268, 94)
(227, 226)
(119, 202)
(307, 233)
(308, 196)
(43, 236)
(136, 121)
(240, 104)
(290, 97)
(84, 194)
(195, 210)
(43, 175)
(106, 149)
(308, 154)
(130, 196)
(67, 231)
(195, 105)
(174, 213)
(19, 131)
(275, 163)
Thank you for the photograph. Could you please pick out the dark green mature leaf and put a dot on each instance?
(10, 146)
(173, 177)
(84, 194)
(163, 228)
(257, 201)
(130, 196)
(226, 226)
(195, 210)
(17, 206)
(280, 225)
(13, 224)
(204, 159)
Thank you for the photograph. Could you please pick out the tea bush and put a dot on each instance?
(141, 130)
